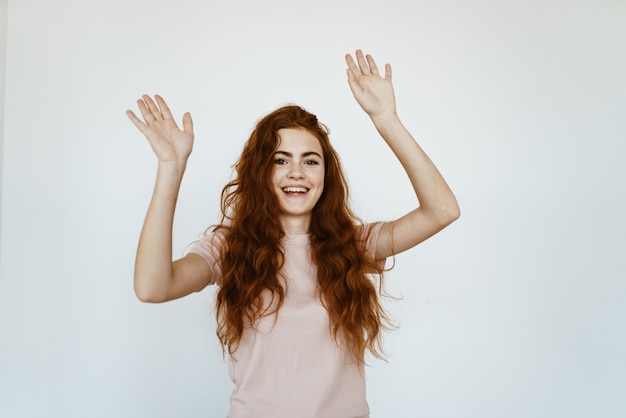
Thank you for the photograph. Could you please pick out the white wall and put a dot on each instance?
(3, 43)
(517, 310)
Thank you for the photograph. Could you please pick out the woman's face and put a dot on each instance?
(297, 177)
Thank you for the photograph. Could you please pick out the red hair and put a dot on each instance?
(252, 257)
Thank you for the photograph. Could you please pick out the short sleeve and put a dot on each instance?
(370, 232)
(209, 247)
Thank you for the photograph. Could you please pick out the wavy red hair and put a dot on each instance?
(252, 257)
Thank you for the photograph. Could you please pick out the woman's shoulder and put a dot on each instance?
(368, 230)
(209, 244)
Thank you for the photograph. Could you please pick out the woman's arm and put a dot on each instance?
(437, 204)
(157, 278)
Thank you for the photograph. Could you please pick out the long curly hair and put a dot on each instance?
(252, 257)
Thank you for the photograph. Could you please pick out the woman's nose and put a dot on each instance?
(296, 171)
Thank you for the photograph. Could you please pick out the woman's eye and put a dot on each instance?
(280, 161)
(311, 162)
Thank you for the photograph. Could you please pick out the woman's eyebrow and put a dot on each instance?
(304, 154)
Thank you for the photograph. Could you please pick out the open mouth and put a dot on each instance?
(295, 190)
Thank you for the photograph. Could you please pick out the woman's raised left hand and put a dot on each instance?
(373, 92)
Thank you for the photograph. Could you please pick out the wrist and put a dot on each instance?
(174, 169)
(385, 119)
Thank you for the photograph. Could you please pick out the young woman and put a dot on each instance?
(297, 306)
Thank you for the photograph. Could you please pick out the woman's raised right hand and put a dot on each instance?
(168, 142)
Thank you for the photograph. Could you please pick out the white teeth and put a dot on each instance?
(295, 189)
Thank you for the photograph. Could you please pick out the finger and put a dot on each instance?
(165, 110)
(352, 65)
(352, 82)
(388, 72)
(187, 123)
(156, 113)
(135, 120)
(145, 112)
(372, 64)
(362, 62)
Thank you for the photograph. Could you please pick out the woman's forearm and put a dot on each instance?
(435, 197)
(153, 263)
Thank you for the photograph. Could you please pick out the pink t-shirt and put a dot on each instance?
(288, 365)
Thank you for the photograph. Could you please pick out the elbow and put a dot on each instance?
(449, 213)
(148, 294)
(454, 212)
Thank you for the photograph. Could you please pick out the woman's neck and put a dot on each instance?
(295, 225)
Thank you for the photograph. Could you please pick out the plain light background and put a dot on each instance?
(517, 310)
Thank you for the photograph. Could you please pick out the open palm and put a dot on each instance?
(373, 92)
(168, 142)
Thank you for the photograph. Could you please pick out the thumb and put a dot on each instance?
(187, 123)
(388, 71)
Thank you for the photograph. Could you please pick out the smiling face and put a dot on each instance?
(297, 177)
